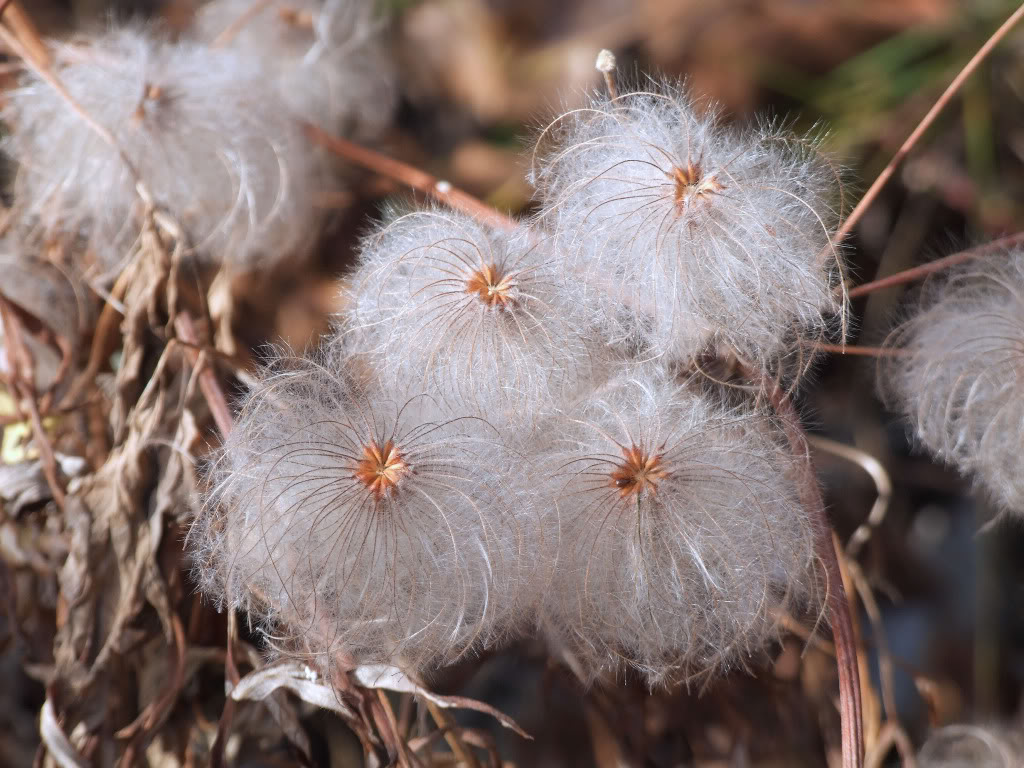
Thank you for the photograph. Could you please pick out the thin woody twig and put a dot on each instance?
(422, 181)
(208, 383)
(917, 273)
(853, 349)
(926, 122)
(228, 34)
(851, 715)
(445, 724)
(21, 24)
(892, 734)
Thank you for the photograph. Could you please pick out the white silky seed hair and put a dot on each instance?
(718, 238)
(479, 315)
(327, 55)
(348, 520)
(678, 530)
(210, 139)
(957, 373)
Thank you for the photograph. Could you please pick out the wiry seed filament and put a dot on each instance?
(381, 468)
(638, 472)
(491, 286)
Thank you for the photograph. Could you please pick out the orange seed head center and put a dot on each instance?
(381, 468)
(640, 471)
(491, 286)
(692, 184)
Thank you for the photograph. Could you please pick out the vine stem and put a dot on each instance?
(208, 383)
(850, 708)
(926, 122)
(916, 273)
(433, 187)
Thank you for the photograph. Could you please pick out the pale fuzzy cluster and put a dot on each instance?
(580, 483)
(957, 373)
(714, 238)
(326, 55)
(483, 316)
(679, 537)
(214, 145)
(973, 746)
(365, 522)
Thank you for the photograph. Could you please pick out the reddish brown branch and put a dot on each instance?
(406, 174)
(25, 30)
(926, 123)
(208, 383)
(852, 349)
(850, 709)
(916, 273)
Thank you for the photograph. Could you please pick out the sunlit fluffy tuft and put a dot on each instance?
(331, 65)
(476, 314)
(351, 519)
(714, 237)
(680, 535)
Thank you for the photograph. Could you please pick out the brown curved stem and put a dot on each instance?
(208, 383)
(406, 174)
(836, 601)
(917, 273)
(926, 123)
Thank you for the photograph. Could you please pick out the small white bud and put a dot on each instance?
(605, 61)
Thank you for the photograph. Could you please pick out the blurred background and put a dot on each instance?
(477, 79)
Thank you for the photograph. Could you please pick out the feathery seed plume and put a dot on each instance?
(680, 528)
(712, 235)
(352, 519)
(331, 66)
(472, 313)
(958, 374)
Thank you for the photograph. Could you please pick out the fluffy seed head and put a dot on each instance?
(712, 235)
(480, 315)
(331, 66)
(958, 373)
(212, 142)
(678, 532)
(350, 520)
